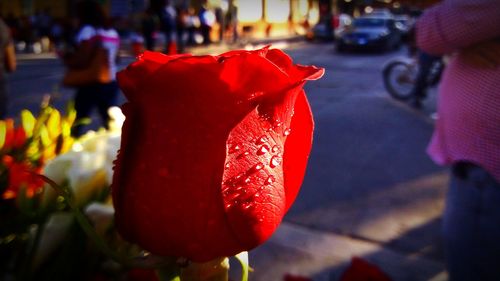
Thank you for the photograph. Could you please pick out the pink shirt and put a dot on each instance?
(468, 128)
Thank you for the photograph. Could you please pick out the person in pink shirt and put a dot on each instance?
(467, 132)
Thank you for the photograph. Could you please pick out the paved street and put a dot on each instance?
(370, 190)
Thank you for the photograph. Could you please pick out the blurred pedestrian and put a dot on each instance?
(149, 24)
(168, 20)
(8, 64)
(467, 133)
(95, 31)
(207, 20)
(232, 21)
(181, 26)
(192, 23)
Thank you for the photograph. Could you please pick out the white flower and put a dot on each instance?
(88, 166)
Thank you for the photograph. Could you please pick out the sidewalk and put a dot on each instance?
(214, 48)
(391, 230)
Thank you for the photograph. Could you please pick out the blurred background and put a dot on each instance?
(370, 190)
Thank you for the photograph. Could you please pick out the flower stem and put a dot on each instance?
(26, 274)
(168, 274)
(214, 270)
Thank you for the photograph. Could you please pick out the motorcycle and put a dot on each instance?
(400, 76)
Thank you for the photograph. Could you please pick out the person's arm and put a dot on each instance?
(457, 24)
(10, 58)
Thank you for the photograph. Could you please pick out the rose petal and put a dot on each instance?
(183, 117)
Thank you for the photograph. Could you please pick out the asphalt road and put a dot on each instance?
(369, 179)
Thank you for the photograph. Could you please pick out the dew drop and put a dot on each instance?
(233, 197)
(248, 206)
(235, 148)
(275, 161)
(229, 205)
(262, 140)
(270, 180)
(263, 150)
(246, 153)
(287, 132)
(275, 149)
(258, 167)
(227, 166)
(248, 180)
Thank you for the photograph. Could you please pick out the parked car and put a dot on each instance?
(371, 33)
(404, 23)
(327, 29)
(382, 13)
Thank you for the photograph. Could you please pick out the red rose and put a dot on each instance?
(213, 152)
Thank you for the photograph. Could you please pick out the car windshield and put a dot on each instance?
(369, 22)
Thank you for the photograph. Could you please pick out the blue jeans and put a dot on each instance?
(425, 62)
(99, 96)
(471, 225)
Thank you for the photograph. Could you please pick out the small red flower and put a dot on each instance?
(21, 174)
(213, 152)
(361, 270)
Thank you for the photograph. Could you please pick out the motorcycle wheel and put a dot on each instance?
(399, 79)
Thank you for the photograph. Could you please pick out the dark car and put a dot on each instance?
(371, 33)
(323, 30)
(327, 29)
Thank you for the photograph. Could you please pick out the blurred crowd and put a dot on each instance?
(162, 26)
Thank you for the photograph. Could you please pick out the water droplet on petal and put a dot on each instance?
(270, 180)
(234, 148)
(248, 180)
(258, 167)
(229, 205)
(248, 206)
(287, 132)
(275, 161)
(227, 166)
(263, 150)
(246, 153)
(275, 149)
(262, 140)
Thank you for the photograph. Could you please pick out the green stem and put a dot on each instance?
(26, 274)
(169, 274)
(84, 223)
(243, 259)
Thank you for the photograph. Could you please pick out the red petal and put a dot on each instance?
(297, 148)
(183, 115)
(137, 73)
